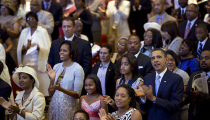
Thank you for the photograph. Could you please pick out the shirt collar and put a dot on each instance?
(161, 74)
(69, 39)
(192, 22)
(47, 2)
(203, 42)
(183, 9)
(137, 54)
(38, 13)
(162, 16)
(104, 65)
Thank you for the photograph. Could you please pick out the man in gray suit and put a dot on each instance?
(45, 18)
(162, 16)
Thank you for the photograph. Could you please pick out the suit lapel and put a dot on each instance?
(193, 27)
(207, 45)
(40, 15)
(74, 39)
(153, 82)
(163, 83)
(139, 58)
(165, 18)
(109, 69)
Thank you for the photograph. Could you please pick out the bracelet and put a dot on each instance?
(20, 112)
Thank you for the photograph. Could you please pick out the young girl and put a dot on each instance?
(129, 71)
(92, 102)
(129, 75)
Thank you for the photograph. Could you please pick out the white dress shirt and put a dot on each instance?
(192, 23)
(69, 39)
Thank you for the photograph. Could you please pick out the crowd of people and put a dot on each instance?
(155, 64)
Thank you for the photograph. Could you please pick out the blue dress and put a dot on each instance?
(190, 65)
(131, 82)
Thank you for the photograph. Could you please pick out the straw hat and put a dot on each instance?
(25, 69)
(9, 4)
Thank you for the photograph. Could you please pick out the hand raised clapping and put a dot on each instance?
(51, 72)
(103, 116)
(5, 104)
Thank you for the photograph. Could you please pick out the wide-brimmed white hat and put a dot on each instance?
(25, 69)
(152, 25)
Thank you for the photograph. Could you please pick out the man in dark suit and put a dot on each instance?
(187, 27)
(138, 16)
(162, 90)
(5, 91)
(85, 56)
(180, 13)
(199, 101)
(57, 13)
(105, 70)
(201, 33)
(144, 63)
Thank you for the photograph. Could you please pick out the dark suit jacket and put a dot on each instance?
(169, 97)
(5, 91)
(138, 18)
(180, 13)
(85, 56)
(206, 47)
(57, 13)
(202, 102)
(145, 66)
(191, 34)
(87, 21)
(110, 83)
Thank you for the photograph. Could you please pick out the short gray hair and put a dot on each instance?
(78, 22)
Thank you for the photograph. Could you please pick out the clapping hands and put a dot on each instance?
(51, 72)
(8, 105)
(103, 116)
(107, 99)
(5, 104)
(55, 87)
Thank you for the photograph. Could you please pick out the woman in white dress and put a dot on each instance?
(33, 49)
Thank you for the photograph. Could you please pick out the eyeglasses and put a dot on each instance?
(30, 18)
(122, 44)
(190, 11)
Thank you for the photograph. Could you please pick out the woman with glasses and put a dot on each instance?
(121, 50)
(33, 49)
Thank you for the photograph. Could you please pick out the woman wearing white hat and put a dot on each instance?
(30, 103)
